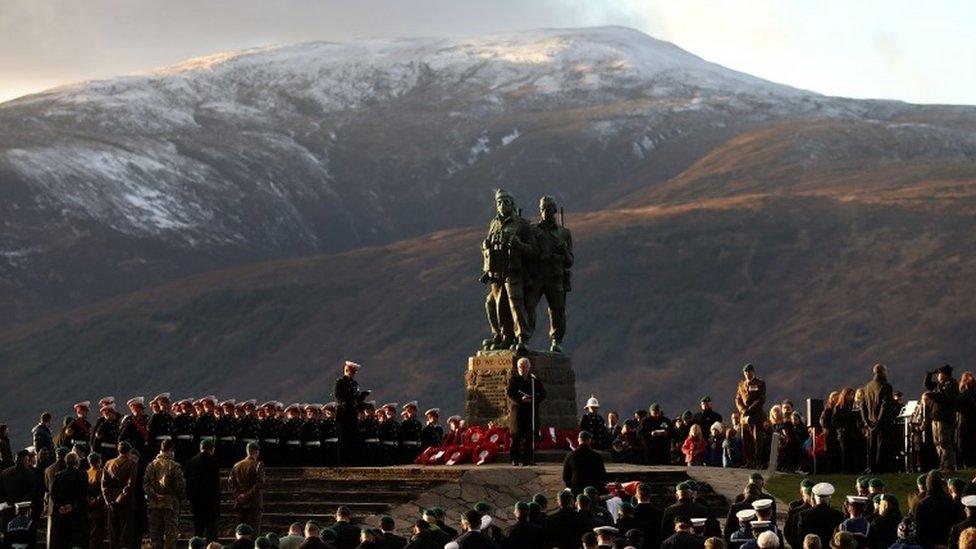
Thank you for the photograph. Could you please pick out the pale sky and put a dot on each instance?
(922, 52)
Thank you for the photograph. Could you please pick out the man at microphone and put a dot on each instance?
(525, 392)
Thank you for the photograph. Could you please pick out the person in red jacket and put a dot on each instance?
(694, 446)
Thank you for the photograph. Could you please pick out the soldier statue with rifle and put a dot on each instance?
(550, 272)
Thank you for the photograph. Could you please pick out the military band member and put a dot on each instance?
(105, 434)
(311, 436)
(592, 422)
(161, 425)
(432, 434)
(550, 270)
(349, 397)
(409, 436)
(80, 431)
(183, 424)
(291, 436)
(524, 395)
(248, 428)
(749, 400)
(270, 433)
(330, 435)
(206, 424)
(226, 432)
(134, 428)
(369, 427)
(389, 433)
(655, 432)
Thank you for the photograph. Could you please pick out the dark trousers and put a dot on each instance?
(205, 524)
(522, 451)
(348, 426)
(121, 524)
(880, 449)
(251, 517)
(96, 531)
(68, 531)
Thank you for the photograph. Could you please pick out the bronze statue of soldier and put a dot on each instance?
(550, 272)
(507, 250)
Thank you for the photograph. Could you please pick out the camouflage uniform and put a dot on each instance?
(165, 486)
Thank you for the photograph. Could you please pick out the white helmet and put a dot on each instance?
(592, 402)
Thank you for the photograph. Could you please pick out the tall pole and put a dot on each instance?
(533, 417)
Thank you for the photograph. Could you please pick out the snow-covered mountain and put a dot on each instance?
(111, 185)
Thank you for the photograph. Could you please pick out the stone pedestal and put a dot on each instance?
(487, 380)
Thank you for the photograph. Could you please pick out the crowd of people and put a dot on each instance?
(121, 473)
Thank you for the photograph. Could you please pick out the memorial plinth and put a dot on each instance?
(486, 381)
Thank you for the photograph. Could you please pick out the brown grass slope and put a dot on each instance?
(813, 284)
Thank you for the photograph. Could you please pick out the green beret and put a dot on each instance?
(876, 483)
(920, 480)
(482, 507)
(706, 398)
(806, 485)
(748, 367)
(438, 511)
(956, 481)
(262, 543)
(682, 487)
(687, 413)
(692, 484)
(244, 530)
(583, 498)
(534, 506)
(197, 543)
(253, 446)
(626, 506)
(585, 435)
(756, 476)
(862, 482)
(654, 407)
(541, 499)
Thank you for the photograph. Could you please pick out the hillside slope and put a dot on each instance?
(668, 301)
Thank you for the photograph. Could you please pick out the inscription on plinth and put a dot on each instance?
(486, 382)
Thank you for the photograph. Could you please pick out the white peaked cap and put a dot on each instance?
(228, 402)
(412, 403)
(141, 401)
(745, 514)
(823, 489)
(698, 521)
(106, 400)
(969, 501)
(857, 499)
(352, 364)
(82, 404)
(433, 411)
(761, 504)
(161, 396)
(329, 405)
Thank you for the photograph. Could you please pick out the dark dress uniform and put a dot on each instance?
(271, 441)
(389, 431)
(162, 427)
(683, 540)
(311, 437)
(348, 398)
(409, 440)
(226, 432)
(80, 432)
(655, 435)
(205, 427)
(291, 442)
(134, 429)
(583, 467)
(248, 431)
(820, 520)
(105, 438)
(684, 508)
(330, 441)
(183, 424)
(520, 415)
(203, 491)
(523, 534)
(370, 430)
(431, 436)
(70, 487)
(563, 529)
(706, 418)
(593, 423)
